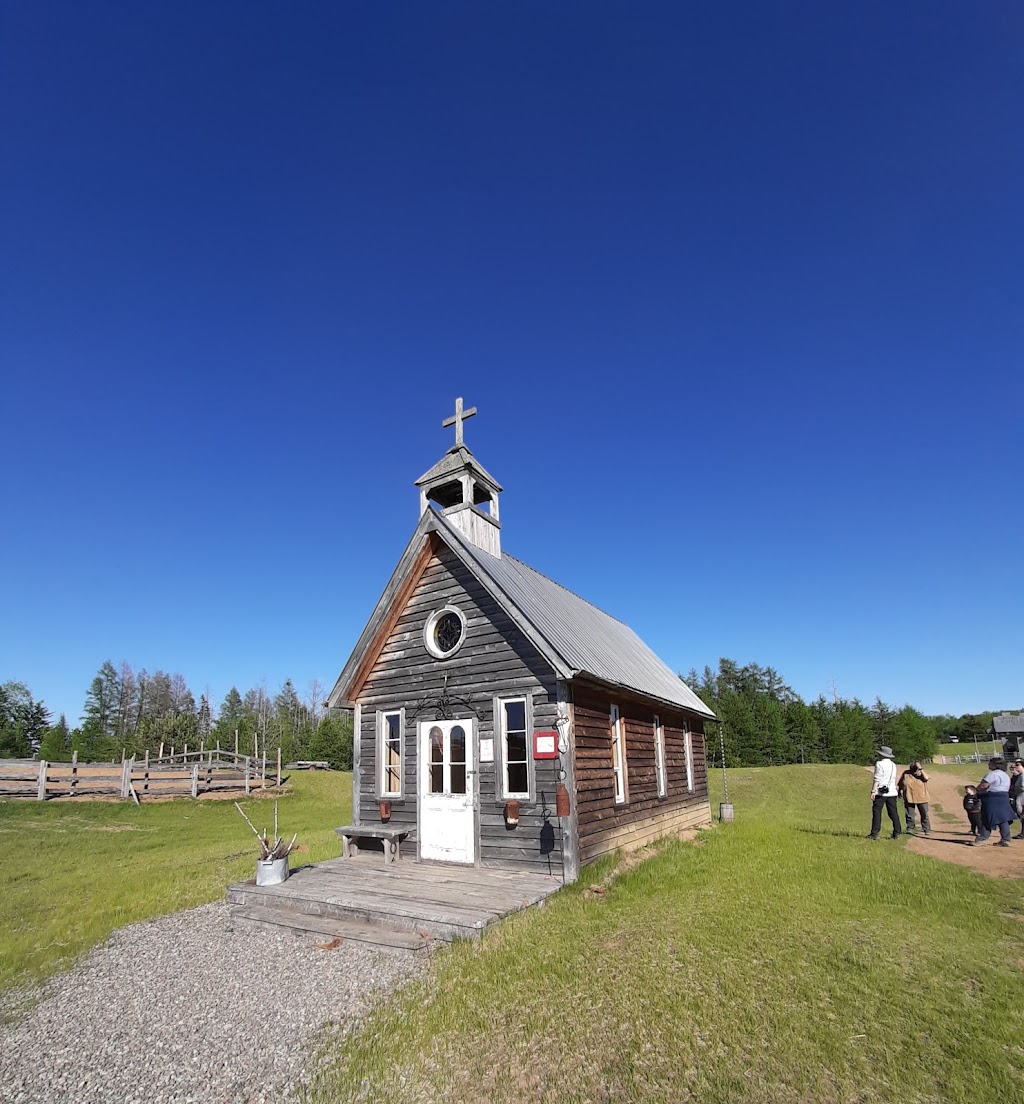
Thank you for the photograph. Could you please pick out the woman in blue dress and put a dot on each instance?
(994, 790)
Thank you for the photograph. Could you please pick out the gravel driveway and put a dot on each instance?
(183, 1008)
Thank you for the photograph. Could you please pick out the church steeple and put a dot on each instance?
(463, 490)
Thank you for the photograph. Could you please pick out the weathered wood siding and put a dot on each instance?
(495, 660)
(643, 816)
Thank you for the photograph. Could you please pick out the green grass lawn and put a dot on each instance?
(967, 747)
(782, 959)
(76, 871)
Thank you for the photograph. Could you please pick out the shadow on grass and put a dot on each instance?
(841, 833)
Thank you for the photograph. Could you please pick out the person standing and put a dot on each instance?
(995, 803)
(883, 794)
(972, 807)
(913, 788)
(1017, 793)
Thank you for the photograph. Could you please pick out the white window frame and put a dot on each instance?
(688, 744)
(659, 756)
(382, 773)
(431, 625)
(504, 793)
(618, 755)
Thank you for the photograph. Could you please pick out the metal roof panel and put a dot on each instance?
(588, 639)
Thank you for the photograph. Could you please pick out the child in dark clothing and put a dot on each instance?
(972, 807)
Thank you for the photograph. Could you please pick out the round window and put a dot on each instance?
(444, 632)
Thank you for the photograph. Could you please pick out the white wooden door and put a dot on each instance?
(447, 829)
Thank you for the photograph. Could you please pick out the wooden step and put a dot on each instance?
(445, 922)
(328, 928)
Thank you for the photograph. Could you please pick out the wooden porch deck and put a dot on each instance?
(406, 904)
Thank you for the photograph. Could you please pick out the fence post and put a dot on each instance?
(74, 772)
(145, 777)
(279, 766)
(161, 755)
(247, 776)
(195, 780)
(124, 778)
(236, 741)
(41, 793)
(264, 762)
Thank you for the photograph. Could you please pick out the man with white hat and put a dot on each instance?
(883, 793)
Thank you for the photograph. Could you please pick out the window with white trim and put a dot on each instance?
(659, 755)
(688, 740)
(618, 756)
(389, 744)
(515, 758)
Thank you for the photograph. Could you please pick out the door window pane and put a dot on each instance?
(436, 760)
(458, 759)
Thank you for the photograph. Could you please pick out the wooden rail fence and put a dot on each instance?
(186, 774)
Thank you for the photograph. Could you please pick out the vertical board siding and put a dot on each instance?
(605, 825)
(495, 660)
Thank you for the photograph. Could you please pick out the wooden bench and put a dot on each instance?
(392, 838)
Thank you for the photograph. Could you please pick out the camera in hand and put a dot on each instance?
(882, 791)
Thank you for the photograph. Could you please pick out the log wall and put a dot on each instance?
(603, 824)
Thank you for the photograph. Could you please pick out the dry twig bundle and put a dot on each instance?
(279, 849)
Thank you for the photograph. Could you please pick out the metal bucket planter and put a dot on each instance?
(271, 871)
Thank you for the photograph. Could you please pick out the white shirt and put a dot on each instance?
(885, 775)
(998, 781)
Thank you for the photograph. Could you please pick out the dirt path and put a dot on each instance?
(950, 835)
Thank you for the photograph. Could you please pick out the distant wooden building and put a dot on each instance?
(1009, 728)
(500, 718)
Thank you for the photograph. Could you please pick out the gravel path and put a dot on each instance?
(183, 1008)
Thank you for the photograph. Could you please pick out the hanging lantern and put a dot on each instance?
(562, 800)
(511, 813)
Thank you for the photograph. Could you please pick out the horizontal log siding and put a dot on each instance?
(496, 659)
(643, 817)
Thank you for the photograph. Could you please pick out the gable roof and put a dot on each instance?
(455, 461)
(1008, 722)
(574, 636)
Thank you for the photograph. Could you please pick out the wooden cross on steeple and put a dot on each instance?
(457, 420)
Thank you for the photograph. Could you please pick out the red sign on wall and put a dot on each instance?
(545, 745)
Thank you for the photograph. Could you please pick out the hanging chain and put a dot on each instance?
(725, 777)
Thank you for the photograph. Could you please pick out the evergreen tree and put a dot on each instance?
(204, 723)
(99, 715)
(229, 717)
(331, 741)
(56, 746)
(23, 721)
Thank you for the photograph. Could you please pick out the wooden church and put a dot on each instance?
(500, 719)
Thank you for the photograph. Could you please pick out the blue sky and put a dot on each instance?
(736, 289)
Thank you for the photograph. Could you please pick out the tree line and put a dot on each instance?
(765, 723)
(136, 712)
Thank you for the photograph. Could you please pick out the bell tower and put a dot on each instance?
(463, 491)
